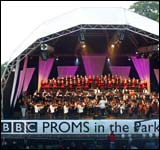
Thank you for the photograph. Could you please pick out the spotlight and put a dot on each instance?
(129, 59)
(136, 53)
(112, 45)
(77, 61)
(44, 47)
(83, 45)
(108, 60)
(81, 37)
(57, 59)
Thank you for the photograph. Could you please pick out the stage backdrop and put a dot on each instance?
(142, 66)
(66, 70)
(94, 64)
(45, 67)
(122, 71)
(28, 77)
(21, 81)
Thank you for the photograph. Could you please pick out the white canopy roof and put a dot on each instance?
(99, 16)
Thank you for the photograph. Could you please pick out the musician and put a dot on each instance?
(144, 84)
(133, 83)
(145, 91)
(102, 105)
(89, 80)
(70, 83)
(58, 83)
(36, 110)
(78, 83)
(102, 83)
(97, 80)
(113, 82)
(80, 108)
(74, 82)
(109, 84)
(122, 108)
(66, 110)
(52, 108)
(97, 91)
(125, 85)
(86, 86)
(44, 93)
(23, 107)
(59, 93)
(42, 84)
(55, 84)
(62, 83)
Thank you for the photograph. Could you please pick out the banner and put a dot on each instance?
(79, 126)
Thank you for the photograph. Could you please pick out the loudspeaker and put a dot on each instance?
(44, 55)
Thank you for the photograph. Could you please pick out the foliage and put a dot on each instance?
(149, 9)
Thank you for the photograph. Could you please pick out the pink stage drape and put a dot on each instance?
(142, 66)
(94, 64)
(28, 77)
(156, 72)
(21, 80)
(120, 70)
(66, 70)
(45, 67)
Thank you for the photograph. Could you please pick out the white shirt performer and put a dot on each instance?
(80, 110)
(102, 105)
(52, 110)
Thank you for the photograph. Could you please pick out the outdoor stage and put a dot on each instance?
(115, 51)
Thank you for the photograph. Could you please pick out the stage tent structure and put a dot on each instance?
(134, 31)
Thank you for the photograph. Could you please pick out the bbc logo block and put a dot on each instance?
(18, 127)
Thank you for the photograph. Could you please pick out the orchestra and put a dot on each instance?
(68, 97)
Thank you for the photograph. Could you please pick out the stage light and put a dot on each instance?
(77, 61)
(112, 45)
(136, 53)
(81, 39)
(44, 47)
(84, 45)
(129, 59)
(46, 51)
(108, 60)
(57, 59)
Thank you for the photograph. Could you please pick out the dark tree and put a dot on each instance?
(149, 9)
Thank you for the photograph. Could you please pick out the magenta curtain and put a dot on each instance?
(20, 84)
(156, 72)
(28, 77)
(120, 70)
(66, 70)
(21, 80)
(94, 64)
(45, 67)
(142, 66)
